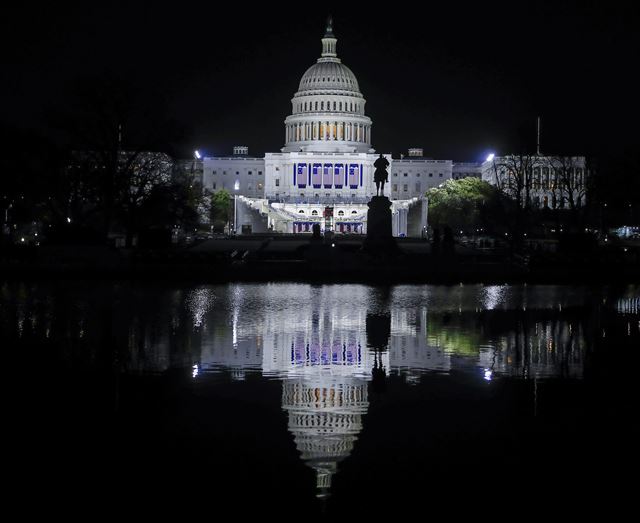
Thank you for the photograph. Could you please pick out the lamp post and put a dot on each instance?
(235, 213)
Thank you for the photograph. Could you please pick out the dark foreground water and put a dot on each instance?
(301, 402)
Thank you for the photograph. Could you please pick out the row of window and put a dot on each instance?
(316, 196)
(236, 186)
(405, 187)
(320, 106)
(324, 79)
(237, 173)
(556, 203)
(327, 175)
(545, 170)
(418, 175)
(314, 212)
(548, 179)
(328, 131)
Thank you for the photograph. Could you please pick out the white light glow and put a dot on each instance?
(197, 154)
(491, 157)
(488, 374)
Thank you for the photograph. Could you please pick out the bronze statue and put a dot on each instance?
(381, 175)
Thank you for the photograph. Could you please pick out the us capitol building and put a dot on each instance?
(324, 172)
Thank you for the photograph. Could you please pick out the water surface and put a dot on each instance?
(328, 399)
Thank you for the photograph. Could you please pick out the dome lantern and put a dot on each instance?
(329, 41)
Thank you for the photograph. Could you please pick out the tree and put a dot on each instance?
(220, 208)
(570, 180)
(139, 176)
(515, 175)
(172, 204)
(114, 125)
(466, 204)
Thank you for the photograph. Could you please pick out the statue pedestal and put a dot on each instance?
(379, 238)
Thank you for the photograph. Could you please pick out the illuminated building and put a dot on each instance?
(554, 182)
(324, 173)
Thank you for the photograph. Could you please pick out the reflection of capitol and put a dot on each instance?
(318, 343)
(325, 418)
(320, 352)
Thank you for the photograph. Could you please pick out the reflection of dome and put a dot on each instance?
(325, 418)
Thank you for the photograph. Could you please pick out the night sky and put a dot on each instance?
(458, 80)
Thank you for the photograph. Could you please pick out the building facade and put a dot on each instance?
(554, 182)
(412, 175)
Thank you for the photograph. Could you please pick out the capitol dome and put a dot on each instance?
(328, 109)
(329, 76)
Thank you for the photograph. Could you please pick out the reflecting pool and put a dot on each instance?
(295, 400)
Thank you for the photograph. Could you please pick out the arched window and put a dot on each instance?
(354, 212)
(340, 213)
(322, 106)
(301, 211)
(314, 213)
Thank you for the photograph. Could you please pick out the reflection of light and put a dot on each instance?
(235, 329)
(488, 374)
(491, 157)
(199, 301)
(493, 295)
(195, 370)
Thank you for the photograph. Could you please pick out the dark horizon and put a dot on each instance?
(456, 82)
